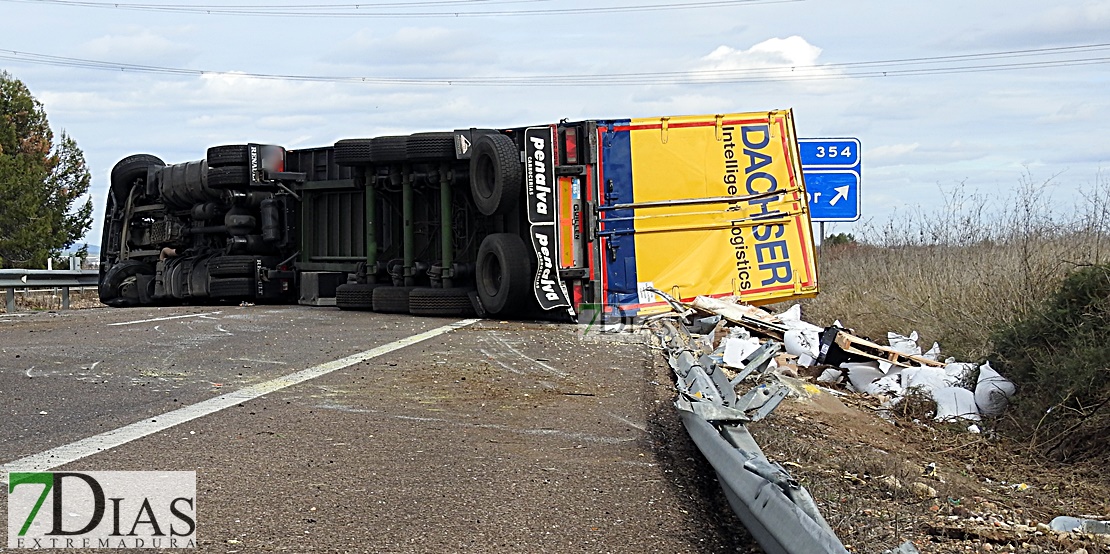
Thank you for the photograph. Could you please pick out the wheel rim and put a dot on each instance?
(484, 176)
(491, 275)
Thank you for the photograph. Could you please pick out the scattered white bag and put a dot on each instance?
(861, 374)
(926, 379)
(959, 371)
(903, 344)
(885, 386)
(955, 403)
(993, 391)
(792, 319)
(933, 353)
(801, 343)
(831, 375)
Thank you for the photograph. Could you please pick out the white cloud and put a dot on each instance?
(776, 58)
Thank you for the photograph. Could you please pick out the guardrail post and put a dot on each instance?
(9, 300)
(65, 298)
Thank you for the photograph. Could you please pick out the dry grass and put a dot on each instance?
(958, 274)
(47, 300)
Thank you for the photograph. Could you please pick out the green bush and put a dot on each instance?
(1059, 357)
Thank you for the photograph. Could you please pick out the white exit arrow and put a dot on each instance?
(841, 193)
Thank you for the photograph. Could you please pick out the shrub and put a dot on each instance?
(1059, 356)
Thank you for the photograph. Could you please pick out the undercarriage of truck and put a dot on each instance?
(393, 224)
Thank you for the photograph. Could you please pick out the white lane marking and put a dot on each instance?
(224, 331)
(98, 443)
(162, 319)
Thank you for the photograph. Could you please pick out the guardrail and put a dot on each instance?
(777, 510)
(11, 279)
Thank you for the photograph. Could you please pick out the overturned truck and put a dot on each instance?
(530, 221)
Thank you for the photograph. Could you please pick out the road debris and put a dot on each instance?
(779, 512)
(734, 364)
(834, 355)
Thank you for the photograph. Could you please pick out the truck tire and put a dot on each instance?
(355, 296)
(495, 174)
(129, 170)
(231, 287)
(502, 273)
(350, 152)
(229, 177)
(232, 266)
(441, 302)
(233, 154)
(392, 300)
(387, 149)
(117, 288)
(430, 147)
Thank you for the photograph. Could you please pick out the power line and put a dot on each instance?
(400, 9)
(1008, 60)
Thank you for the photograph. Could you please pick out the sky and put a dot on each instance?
(978, 96)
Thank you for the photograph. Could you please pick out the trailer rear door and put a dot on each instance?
(704, 205)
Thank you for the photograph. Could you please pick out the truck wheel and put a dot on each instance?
(387, 149)
(350, 152)
(234, 154)
(233, 287)
(495, 174)
(128, 170)
(430, 147)
(229, 177)
(502, 273)
(392, 300)
(232, 266)
(117, 286)
(440, 302)
(355, 296)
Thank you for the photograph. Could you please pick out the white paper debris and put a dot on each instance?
(737, 350)
(993, 391)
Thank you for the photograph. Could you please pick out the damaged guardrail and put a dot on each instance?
(779, 512)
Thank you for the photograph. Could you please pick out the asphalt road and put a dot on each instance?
(493, 437)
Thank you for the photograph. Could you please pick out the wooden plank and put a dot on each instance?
(863, 347)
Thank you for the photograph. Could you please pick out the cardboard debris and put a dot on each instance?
(755, 319)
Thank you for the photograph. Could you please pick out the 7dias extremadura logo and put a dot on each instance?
(102, 509)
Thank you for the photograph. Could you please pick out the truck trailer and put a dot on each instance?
(538, 221)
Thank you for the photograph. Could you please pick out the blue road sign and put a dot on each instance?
(832, 174)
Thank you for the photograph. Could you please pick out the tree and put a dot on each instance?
(840, 239)
(40, 182)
